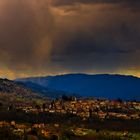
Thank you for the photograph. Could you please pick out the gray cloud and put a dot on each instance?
(72, 2)
(39, 37)
(101, 40)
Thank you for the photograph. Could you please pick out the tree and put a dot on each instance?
(37, 107)
(54, 137)
(44, 106)
(119, 100)
(1, 105)
(90, 112)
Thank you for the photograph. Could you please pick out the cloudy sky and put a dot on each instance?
(47, 37)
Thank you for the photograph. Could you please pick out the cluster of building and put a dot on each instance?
(91, 108)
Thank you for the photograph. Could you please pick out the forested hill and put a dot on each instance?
(10, 87)
(101, 85)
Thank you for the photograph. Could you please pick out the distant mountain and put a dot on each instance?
(100, 86)
(42, 90)
(12, 88)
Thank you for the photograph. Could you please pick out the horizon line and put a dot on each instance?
(52, 75)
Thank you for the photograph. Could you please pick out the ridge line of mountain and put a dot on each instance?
(80, 74)
(109, 86)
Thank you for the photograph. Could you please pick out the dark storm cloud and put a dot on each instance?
(72, 2)
(44, 37)
(102, 39)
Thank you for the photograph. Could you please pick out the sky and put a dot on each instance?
(50, 37)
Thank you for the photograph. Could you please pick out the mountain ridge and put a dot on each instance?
(84, 74)
(110, 86)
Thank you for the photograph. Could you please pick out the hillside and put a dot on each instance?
(101, 85)
(11, 88)
(42, 90)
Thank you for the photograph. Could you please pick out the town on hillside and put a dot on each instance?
(69, 118)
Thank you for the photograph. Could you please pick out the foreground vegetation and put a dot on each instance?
(50, 126)
(63, 132)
